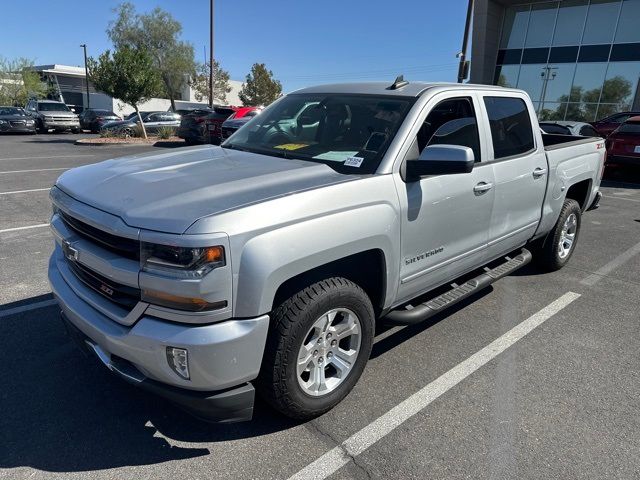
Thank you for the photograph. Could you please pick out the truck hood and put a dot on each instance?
(168, 192)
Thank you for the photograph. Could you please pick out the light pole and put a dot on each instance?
(211, 55)
(548, 73)
(463, 68)
(86, 74)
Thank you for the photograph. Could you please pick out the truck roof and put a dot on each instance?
(411, 89)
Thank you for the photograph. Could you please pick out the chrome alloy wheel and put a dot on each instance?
(328, 352)
(567, 236)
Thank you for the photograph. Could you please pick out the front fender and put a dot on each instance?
(271, 258)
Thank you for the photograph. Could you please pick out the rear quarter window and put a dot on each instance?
(510, 124)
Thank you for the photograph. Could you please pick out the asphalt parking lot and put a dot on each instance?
(536, 377)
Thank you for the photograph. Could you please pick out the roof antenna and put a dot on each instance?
(399, 82)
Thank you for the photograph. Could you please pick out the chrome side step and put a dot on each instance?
(411, 315)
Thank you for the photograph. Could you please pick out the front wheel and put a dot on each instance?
(559, 245)
(318, 345)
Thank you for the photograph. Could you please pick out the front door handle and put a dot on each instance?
(482, 187)
(538, 172)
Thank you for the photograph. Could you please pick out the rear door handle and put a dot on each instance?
(482, 187)
(538, 172)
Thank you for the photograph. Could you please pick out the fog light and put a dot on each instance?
(178, 359)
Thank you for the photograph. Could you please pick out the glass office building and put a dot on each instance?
(577, 59)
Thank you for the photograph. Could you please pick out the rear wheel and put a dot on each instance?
(556, 250)
(318, 345)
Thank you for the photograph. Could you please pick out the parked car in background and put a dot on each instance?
(237, 120)
(52, 115)
(16, 120)
(153, 121)
(203, 126)
(568, 127)
(94, 119)
(623, 145)
(607, 125)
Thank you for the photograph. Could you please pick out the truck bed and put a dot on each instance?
(553, 141)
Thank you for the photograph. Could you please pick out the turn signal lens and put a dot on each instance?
(192, 304)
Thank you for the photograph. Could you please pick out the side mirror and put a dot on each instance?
(441, 160)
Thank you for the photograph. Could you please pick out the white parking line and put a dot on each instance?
(26, 191)
(339, 456)
(48, 156)
(26, 308)
(15, 229)
(37, 170)
(606, 269)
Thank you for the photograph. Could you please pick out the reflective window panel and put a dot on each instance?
(601, 21)
(541, 21)
(621, 84)
(629, 24)
(552, 111)
(571, 18)
(515, 27)
(507, 76)
(559, 84)
(588, 82)
(530, 80)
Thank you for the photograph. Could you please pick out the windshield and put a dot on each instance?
(53, 107)
(12, 111)
(350, 133)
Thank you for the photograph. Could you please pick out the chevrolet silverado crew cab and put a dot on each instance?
(207, 273)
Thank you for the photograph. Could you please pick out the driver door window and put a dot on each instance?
(451, 122)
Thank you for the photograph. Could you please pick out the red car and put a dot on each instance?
(623, 145)
(203, 125)
(608, 124)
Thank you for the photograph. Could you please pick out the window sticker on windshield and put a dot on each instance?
(334, 156)
(354, 161)
(292, 146)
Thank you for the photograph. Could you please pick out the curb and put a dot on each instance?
(123, 144)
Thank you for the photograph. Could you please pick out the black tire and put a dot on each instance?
(290, 323)
(40, 127)
(76, 130)
(548, 253)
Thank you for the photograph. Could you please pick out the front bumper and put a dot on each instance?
(223, 356)
(60, 124)
(226, 406)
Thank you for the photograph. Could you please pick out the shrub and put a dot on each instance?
(165, 132)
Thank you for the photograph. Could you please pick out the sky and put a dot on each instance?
(304, 42)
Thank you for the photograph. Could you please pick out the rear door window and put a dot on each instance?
(511, 131)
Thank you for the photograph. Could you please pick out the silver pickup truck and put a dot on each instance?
(205, 273)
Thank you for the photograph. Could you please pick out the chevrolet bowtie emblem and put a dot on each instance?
(69, 252)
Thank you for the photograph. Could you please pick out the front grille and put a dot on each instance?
(18, 123)
(123, 246)
(60, 119)
(116, 292)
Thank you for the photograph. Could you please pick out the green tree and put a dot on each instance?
(127, 76)
(19, 82)
(158, 33)
(221, 85)
(260, 88)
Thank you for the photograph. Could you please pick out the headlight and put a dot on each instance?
(3, 122)
(180, 262)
